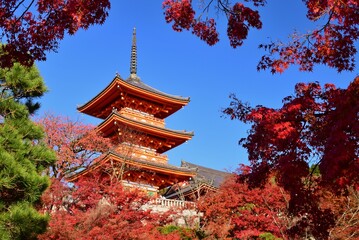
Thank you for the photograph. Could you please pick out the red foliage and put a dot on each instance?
(332, 44)
(340, 128)
(315, 126)
(98, 208)
(181, 13)
(240, 211)
(76, 144)
(206, 30)
(29, 29)
(236, 211)
(239, 22)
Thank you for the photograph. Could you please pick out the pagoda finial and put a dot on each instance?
(133, 64)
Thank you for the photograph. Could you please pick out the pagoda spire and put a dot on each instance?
(133, 63)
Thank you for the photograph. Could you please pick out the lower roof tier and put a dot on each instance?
(118, 126)
(138, 170)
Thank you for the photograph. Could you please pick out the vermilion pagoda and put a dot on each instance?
(134, 117)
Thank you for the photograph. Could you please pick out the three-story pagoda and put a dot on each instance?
(133, 116)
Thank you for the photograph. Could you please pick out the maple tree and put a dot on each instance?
(314, 126)
(98, 207)
(237, 212)
(332, 44)
(29, 28)
(77, 145)
(240, 211)
(23, 154)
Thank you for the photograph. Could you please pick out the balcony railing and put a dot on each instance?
(173, 203)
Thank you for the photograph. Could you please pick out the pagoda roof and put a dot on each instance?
(178, 173)
(206, 179)
(100, 105)
(204, 174)
(177, 137)
(189, 190)
(138, 83)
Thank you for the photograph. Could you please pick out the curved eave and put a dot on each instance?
(107, 128)
(152, 93)
(165, 169)
(113, 92)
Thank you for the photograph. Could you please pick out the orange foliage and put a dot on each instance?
(237, 211)
(77, 145)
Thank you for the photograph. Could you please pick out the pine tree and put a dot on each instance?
(23, 154)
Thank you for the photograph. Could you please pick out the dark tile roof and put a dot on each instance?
(204, 174)
(205, 178)
(138, 83)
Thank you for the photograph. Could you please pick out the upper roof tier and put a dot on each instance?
(135, 94)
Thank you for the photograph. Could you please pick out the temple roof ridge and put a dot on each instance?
(213, 176)
(140, 84)
(193, 165)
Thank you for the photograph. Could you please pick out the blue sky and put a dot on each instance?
(180, 64)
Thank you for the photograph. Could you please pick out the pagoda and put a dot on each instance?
(133, 115)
